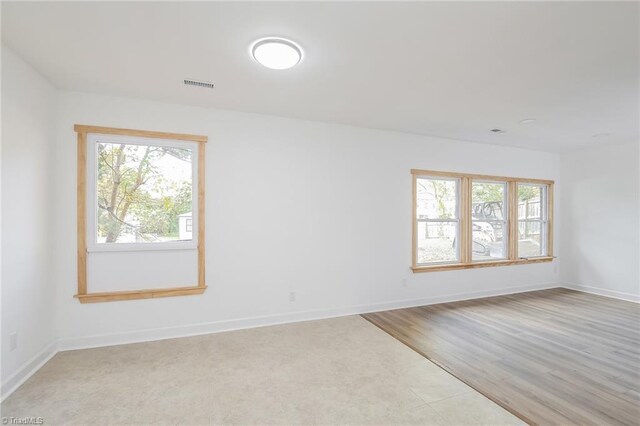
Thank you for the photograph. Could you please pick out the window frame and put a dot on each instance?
(543, 221)
(505, 218)
(455, 220)
(92, 209)
(466, 221)
(84, 135)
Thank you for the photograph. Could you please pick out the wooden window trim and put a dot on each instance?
(139, 133)
(434, 173)
(465, 201)
(83, 295)
(113, 296)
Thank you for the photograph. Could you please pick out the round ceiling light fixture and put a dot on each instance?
(528, 121)
(276, 53)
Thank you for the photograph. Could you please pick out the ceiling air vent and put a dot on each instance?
(198, 83)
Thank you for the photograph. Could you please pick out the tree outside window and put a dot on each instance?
(141, 191)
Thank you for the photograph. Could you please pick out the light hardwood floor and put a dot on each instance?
(552, 357)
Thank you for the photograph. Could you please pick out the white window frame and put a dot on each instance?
(92, 201)
(456, 221)
(505, 220)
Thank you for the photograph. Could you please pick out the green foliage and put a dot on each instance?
(487, 192)
(160, 215)
(528, 192)
(443, 191)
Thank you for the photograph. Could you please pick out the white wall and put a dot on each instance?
(28, 289)
(323, 210)
(600, 222)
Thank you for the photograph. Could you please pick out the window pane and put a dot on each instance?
(488, 213)
(437, 198)
(437, 242)
(488, 200)
(488, 242)
(144, 193)
(531, 242)
(530, 201)
(532, 232)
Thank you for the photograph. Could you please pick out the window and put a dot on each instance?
(489, 220)
(532, 220)
(469, 221)
(438, 220)
(140, 191)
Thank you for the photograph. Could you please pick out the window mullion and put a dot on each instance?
(465, 220)
(549, 221)
(512, 214)
(414, 222)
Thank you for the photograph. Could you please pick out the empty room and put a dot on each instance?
(320, 213)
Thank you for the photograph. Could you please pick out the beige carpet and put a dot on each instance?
(335, 371)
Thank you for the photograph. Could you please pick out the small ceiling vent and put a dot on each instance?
(197, 83)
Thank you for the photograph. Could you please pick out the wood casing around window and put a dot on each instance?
(84, 295)
(465, 221)
(112, 296)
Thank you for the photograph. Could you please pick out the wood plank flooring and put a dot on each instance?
(551, 357)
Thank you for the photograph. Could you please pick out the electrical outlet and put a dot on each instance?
(405, 283)
(13, 341)
(292, 296)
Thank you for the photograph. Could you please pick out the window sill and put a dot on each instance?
(113, 296)
(455, 266)
(123, 247)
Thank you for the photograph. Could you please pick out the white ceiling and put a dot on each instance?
(455, 70)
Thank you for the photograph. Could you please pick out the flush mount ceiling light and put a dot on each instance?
(276, 53)
(527, 121)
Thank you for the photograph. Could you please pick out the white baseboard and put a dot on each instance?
(85, 342)
(27, 370)
(630, 297)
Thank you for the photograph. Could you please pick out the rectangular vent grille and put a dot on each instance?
(198, 83)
